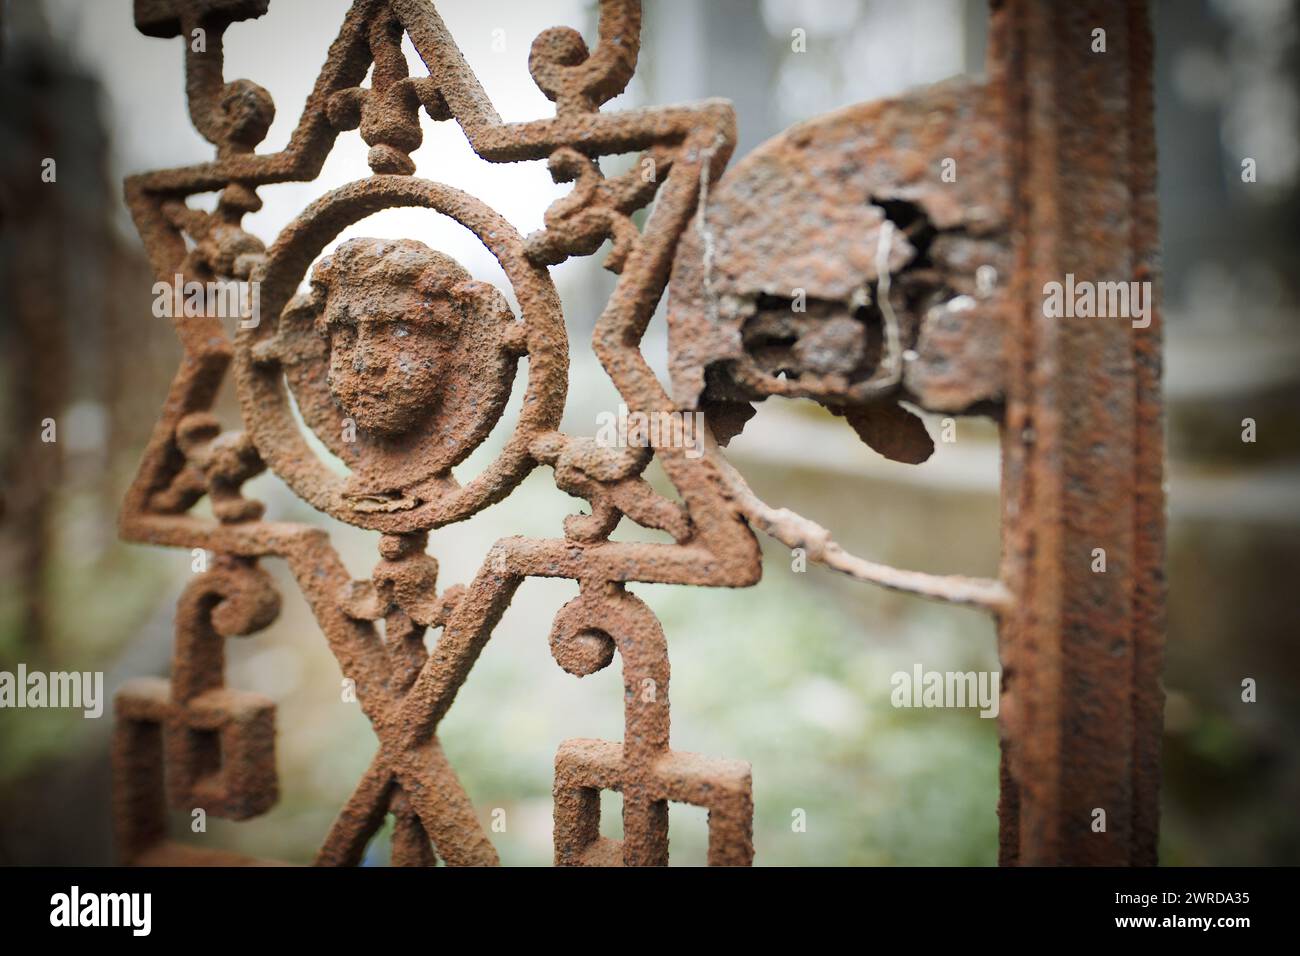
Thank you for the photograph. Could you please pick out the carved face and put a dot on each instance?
(386, 352)
(393, 325)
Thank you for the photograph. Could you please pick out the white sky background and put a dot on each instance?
(283, 51)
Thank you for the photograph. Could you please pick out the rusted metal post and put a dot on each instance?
(1083, 505)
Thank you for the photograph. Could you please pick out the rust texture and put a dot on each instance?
(1083, 444)
(778, 289)
(401, 363)
(902, 288)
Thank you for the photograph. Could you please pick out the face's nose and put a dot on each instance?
(370, 356)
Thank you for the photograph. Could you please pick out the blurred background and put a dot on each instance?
(792, 675)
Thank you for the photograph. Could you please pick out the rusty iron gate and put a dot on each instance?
(919, 288)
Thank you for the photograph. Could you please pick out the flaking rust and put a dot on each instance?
(776, 287)
(401, 363)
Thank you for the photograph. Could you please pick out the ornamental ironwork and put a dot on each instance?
(918, 290)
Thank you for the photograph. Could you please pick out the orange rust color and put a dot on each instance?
(401, 363)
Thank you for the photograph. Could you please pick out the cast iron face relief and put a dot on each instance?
(401, 363)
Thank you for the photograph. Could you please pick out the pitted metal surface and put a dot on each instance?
(401, 363)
